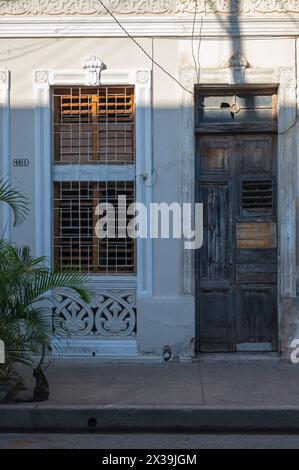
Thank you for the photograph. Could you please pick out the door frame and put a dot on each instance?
(231, 132)
(284, 79)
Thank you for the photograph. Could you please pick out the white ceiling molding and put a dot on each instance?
(139, 7)
(145, 26)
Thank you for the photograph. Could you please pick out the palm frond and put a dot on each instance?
(15, 199)
(26, 325)
(51, 280)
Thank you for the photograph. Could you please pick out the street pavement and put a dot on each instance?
(147, 441)
(208, 383)
(217, 395)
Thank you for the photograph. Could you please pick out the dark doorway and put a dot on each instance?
(236, 268)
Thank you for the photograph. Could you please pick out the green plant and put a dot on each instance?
(25, 322)
(15, 199)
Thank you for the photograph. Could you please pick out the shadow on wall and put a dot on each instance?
(168, 163)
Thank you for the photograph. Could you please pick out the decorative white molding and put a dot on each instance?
(94, 172)
(115, 314)
(4, 79)
(110, 283)
(76, 322)
(4, 142)
(187, 150)
(144, 159)
(41, 76)
(237, 65)
(108, 349)
(285, 80)
(43, 80)
(94, 67)
(144, 26)
(287, 185)
(42, 164)
(139, 7)
(110, 314)
(143, 77)
(254, 75)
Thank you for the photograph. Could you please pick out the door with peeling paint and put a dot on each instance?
(236, 268)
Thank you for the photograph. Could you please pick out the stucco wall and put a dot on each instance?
(168, 317)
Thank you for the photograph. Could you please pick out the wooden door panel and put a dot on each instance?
(256, 266)
(256, 273)
(214, 156)
(214, 255)
(257, 319)
(237, 264)
(255, 235)
(215, 321)
(256, 251)
(214, 267)
(256, 154)
(250, 256)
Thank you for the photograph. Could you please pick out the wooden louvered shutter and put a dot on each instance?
(115, 125)
(257, 196)
(73, 131)
(94, 125)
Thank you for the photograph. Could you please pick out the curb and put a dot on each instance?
(7, 386)
(14, 418)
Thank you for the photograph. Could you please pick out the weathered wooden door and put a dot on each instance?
(236, 268)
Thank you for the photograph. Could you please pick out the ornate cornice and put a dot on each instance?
(150, 7)
(4, 79)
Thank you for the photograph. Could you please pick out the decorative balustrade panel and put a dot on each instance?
(110, 314)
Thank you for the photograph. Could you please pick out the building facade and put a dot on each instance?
(161, 101)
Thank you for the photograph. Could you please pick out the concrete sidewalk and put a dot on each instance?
(203, 395)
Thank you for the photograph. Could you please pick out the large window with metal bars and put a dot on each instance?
(93, 162)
